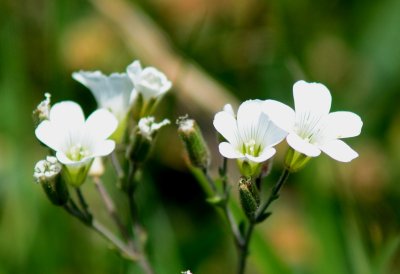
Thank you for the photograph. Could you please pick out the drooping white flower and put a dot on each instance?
(76, 141)
(311, 127)
(148, 127)
(149, 83)
(143, 138)
(250, 136)
(112, 92)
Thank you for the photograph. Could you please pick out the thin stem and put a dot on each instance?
(244, 249)
(210, 181)
(136, 225)
(106, 234)
(117, 165)
(239, 241)
(274, 193)
(83, 203)
(108, 202)
(222, 173)
(237, 236)
(99, 228)
(272, 197)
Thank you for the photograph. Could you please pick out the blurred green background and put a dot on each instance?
(332, 217)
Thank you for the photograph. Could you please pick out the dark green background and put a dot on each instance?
(331, 218)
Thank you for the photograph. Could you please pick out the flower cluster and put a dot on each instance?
(309, 129)
(76, 142)
(118, 92)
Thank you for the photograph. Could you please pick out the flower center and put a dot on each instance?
(251, 148)
(77, 153)
(308, 127)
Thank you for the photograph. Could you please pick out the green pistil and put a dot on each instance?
(77, 153)
(251, 148)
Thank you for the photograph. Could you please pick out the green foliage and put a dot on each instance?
(330, 218)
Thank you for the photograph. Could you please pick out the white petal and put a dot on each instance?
(226, 125)
(49, 135)
(302, 146)
(311, 99)
(248, 120)
(343, 124)
(100, 124)
(112, 92)
(103, 148)
(134, 70)
(96, 82)
(282, 115)
(265, 155)
(228, 151)
(268, 134)
(339, 150)
(62, 158)
(68, 115)
(228, 108)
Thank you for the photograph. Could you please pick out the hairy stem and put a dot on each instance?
(244, 250)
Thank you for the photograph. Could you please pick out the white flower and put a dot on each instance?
(112, 92)
(46, 170)
(149, 82)
(76, 141)
(251, 136)
(311, 127)
(148, 128)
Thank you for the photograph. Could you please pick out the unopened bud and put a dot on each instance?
(294, 160)
(249, 197)
(48, 173)
(193, 141)
(143, 138)
(42, 111)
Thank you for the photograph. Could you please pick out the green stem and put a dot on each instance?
(237, 237)
(83, 203)
(109, 236)
(103, 231)
(274, 193)
(136, 225)
(244, 249)
(108, 202)
(210, 181)
(117, 165)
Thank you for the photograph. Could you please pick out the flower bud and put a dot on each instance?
(294, 160)
(194, 143)
(249, 197)
(143, 138)
(150, 83)
(42, 111)
(47, 173)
